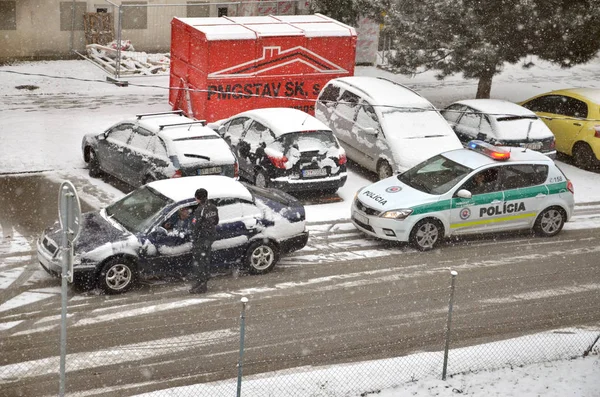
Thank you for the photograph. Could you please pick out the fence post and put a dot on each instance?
(454, 274)
(241, 360)
(118, 56)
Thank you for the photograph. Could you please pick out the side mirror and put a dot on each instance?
(371, 131)
(481, 136)
(464, 193)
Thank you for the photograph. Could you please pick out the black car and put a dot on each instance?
(133, 238)
(158, 146)
(285, 148)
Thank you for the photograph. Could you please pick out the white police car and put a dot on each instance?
(479, 189)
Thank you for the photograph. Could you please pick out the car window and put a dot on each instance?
(251, 210)
(573, 107)
(230, 212)
(471, 119)
(139, 209)
(545, 104)
(523, 175)
(140, 140)
(254, 134)
(486, 126)
(348, 105)
(452, 113)
(309, 141)
(235, 129)
(330, 95)
(435, 176)
(486, 181)
(157, 147)
(366, 116)
(120, 133)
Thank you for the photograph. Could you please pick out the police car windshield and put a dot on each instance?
(435, 176)
(137, 211)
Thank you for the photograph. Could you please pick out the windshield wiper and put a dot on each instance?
(197, 156)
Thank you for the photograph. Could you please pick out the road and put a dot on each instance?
(344, 298)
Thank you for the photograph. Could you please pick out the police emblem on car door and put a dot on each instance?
(482, 212)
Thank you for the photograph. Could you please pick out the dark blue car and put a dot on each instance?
(137, 237)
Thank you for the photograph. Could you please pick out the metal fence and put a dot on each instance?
(114, 362)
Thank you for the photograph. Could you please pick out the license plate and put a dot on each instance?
(209, 171)
(361, 218)
(316, 172)
(532, 145)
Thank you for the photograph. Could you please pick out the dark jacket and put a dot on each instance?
(204, 221)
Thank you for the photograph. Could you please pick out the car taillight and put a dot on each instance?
(236, 170)
(278, 161)
(177, 174)
(570, 186)
(342, 159)
(597, 131)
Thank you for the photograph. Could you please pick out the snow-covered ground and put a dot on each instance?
(41, 130)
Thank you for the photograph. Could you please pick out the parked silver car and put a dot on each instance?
(158, 146)
(501, 123)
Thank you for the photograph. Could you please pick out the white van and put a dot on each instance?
(383, 126)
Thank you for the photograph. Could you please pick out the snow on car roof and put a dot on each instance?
(386, 92)
(497, 107)
(178, 189)
(153, 123)
(285, 120)
(473, 159)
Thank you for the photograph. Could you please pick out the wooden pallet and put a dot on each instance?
(130, 64)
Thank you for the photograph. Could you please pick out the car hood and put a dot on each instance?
(391, 194)
(95, 231)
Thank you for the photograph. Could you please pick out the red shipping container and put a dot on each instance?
(226, 65)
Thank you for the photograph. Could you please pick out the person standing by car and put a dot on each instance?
(204, 222)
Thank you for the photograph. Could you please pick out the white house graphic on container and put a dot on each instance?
(274, 58)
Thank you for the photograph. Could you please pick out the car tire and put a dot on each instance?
(94, 165)
(426, 234)
(261, 180)
(549, 222)
(261, 257)
(118, 275)
(583, 156)
(384, 170)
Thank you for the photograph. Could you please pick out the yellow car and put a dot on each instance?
(573, 116)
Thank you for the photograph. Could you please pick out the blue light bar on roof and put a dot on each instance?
(489, 150)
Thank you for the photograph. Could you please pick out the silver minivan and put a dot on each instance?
(383, 126)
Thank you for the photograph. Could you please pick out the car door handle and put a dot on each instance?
(496, 201)
(578, 124)
(541, 195)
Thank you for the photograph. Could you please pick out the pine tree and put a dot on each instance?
(349, 11)
(477, 37)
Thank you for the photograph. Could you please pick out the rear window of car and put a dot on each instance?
(308, 141)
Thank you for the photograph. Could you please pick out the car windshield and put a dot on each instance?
(435, 176)
(137, 211)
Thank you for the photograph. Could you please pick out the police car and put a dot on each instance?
(479, 189)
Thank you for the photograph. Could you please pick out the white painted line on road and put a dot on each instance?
(8, 277)
(25, 298)
(545, 294)
(9, 325)
(116, 355)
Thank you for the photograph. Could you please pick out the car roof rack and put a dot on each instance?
(161, 127)
(139, 116)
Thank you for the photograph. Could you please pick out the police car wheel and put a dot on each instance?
(261, 257)
(118, 275)
(384, 170)
(426, 234)
(94, 165)
(260, 180)
(550, 222)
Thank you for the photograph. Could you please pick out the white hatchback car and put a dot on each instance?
(479, 189)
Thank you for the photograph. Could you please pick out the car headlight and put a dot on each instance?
(397, 214)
